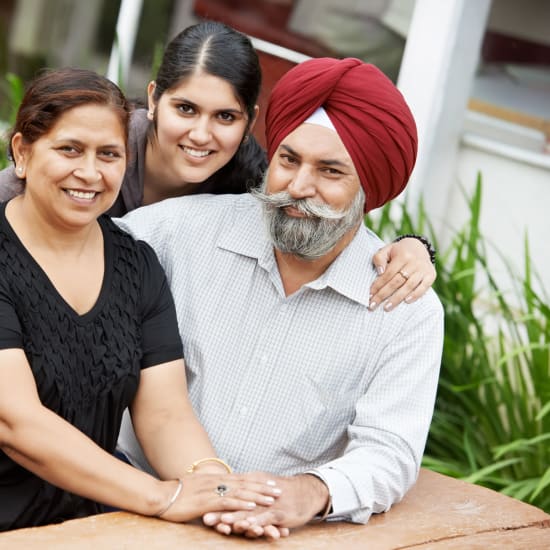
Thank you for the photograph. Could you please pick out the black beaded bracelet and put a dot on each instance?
(423, 240)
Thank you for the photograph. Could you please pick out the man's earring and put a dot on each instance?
(150, 115)
(19, 169)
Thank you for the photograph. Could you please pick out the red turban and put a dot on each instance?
(367, 110)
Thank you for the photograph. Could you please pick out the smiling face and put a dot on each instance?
(74, 172)
(199, 127)
(312, 198)
(312, 163)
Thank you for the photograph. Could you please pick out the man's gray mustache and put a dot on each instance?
(306, 206)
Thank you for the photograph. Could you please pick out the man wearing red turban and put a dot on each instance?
(290, 372)
(356, 390)
(368, 112)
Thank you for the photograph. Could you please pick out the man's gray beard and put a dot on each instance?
(313, 236)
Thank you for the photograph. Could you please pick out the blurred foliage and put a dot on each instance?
(13, 89)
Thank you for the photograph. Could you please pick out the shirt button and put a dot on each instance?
(243, 411)
(263, 359)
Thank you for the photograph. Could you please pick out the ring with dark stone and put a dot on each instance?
(221, 490)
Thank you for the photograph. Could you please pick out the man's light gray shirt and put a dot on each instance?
(287, 384)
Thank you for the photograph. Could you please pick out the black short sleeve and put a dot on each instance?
(10, 328)
(161, 341)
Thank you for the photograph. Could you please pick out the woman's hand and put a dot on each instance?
(406, 273)
(203, 493)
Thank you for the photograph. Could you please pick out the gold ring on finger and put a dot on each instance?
(404, 274)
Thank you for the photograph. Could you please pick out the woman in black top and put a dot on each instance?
(87, 328)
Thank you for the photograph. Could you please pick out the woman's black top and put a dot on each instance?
(86, 367)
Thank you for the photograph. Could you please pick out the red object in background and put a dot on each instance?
(262, 19)
(501, 48)
(272, 69)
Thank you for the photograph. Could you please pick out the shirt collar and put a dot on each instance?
(247, 235)
(351, 274)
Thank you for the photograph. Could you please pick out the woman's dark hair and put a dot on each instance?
(53, 92)
(221, 51)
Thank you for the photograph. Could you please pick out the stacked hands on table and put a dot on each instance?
(252, 505)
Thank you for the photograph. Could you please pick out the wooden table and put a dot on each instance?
(438, 513)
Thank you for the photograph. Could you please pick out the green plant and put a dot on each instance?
(492, 419)
(15, 90)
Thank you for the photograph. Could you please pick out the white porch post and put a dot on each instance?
(437, 70)
(125, 39)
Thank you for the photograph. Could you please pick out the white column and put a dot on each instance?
(438, 67)
(125, 39)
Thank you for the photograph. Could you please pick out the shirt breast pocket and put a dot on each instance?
(318, 431)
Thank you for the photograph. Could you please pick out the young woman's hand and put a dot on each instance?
(406, 273)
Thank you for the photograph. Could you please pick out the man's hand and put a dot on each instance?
(303, 497)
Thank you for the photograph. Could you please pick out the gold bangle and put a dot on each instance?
(193, 466)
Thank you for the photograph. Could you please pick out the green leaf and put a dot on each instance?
(544, 482)
(484, 472)
(520, 444)
(543, 412)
